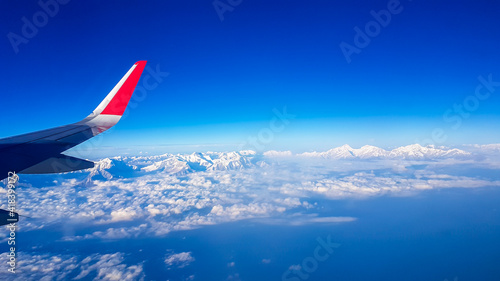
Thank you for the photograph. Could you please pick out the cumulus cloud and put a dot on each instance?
(179, 260)
(120, 199)
(152, 196)
(109, 267)
(63, 267)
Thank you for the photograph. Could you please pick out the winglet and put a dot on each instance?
(117, 100)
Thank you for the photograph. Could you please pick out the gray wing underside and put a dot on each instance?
(40, 152)
(22, 152)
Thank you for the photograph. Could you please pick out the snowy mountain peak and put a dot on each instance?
(416, 151)
(342, 152)
(247, 152)
(413, 151)
(209, 161)
(346, 147)
(370, 151)
(182, 164)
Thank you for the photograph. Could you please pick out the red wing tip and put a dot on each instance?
(122, 94)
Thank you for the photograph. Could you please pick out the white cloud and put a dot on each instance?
(123, 214)
(274, 153)
(158, 202)
(179, 260)
(109, 267)
(60, 267)
(110, 204)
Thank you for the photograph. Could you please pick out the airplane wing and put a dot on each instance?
(41, 152)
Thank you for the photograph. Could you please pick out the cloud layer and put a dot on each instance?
(152, 196)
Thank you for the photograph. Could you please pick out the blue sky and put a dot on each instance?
(226, 77)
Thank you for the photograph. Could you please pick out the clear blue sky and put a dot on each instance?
(226, 77)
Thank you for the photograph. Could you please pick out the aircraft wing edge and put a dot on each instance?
(59, 164)
(117, 100)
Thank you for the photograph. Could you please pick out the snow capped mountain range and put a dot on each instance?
(414, 152)
(178, 165)
(182, 164)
